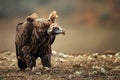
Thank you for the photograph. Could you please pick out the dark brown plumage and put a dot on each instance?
(34, 38)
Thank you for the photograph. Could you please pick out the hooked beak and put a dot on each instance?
(56, 31)
(59, 31)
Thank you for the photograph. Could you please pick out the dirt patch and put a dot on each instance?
(83, 66)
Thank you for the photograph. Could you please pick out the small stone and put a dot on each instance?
(63, 55)
(117, 54)
(109, 52)
(33, 69)
(95, 55)
(46, 68)
(116, 60)
(62, 60)
(99, 68)
(54, 53)
(70, 56)
(110, 56)
(70, 76)
(78, 73)
(103, 70)
(116, 69)
(90, 58)
(103, 56)
(80, 57)
(92, 73)
(38, 73)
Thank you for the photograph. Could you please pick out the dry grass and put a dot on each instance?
(83, 66)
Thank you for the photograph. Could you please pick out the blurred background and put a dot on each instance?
(90, 25)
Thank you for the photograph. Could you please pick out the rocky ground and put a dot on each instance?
(82, 66)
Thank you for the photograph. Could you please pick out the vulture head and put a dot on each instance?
(45, 26)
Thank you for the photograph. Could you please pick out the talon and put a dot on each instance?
(33, 69)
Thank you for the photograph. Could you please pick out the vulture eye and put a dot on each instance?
(55, 28)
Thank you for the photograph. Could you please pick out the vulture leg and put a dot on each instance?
(31, 63)
(22, 64)
(46, 60)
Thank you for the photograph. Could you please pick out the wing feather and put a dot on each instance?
(23, 37)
